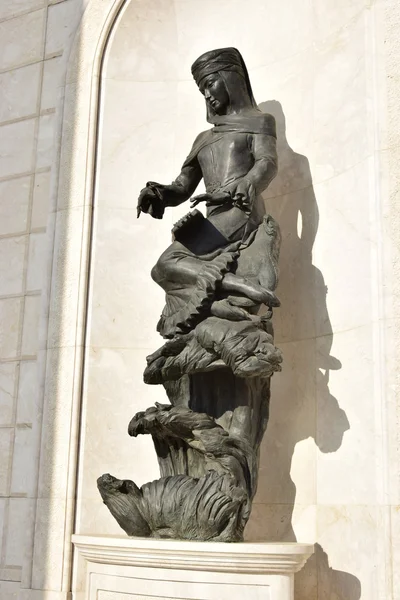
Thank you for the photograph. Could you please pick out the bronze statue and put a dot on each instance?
(219, 355)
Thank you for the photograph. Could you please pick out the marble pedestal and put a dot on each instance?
(121, 568)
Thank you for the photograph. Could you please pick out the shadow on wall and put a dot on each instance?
(333, 585)
(302, 406)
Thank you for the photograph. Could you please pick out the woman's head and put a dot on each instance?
(222, 77)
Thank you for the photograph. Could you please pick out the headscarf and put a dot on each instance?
(223, 61)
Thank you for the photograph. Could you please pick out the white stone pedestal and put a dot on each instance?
(121, 568)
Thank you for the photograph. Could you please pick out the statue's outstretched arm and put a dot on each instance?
(155, 197)
(184, 185)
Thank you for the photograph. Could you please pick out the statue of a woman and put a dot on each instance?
(237, 159)
(219, 354)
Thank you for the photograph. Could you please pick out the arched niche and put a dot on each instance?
(150, 113)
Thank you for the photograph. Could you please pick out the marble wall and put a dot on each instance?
(35, 37)
(329, 73)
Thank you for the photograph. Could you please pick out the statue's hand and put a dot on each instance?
(151, 200)
(239, 194)
(244, 195)
(210, 199)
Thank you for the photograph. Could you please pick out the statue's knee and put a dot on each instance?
(155, 273)
(158, 271)
(165, 268)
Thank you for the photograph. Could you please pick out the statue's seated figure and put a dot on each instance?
(215, 259)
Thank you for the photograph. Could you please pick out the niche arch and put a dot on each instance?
(63, 340)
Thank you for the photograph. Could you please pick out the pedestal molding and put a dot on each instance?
(260, 558)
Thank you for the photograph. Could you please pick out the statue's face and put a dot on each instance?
(214, 90)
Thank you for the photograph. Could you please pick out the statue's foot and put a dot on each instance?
(250, 289)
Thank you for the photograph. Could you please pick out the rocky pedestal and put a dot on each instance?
(119, 568)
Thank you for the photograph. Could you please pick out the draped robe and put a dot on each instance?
(237, 147)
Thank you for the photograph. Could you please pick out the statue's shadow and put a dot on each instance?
(302, 407)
